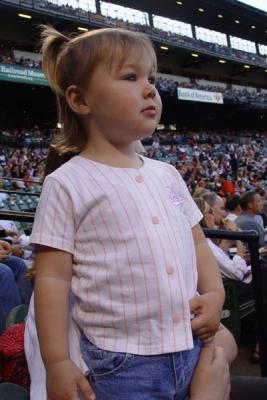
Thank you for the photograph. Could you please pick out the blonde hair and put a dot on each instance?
(200, 202)
(72, 61)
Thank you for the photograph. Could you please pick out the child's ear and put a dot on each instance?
(76, 100)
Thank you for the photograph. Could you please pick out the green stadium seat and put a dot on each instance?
(230, 317)
(11, 391)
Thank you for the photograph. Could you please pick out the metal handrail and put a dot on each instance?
(20, 192)
(20, 216)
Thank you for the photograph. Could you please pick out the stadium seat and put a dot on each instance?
(230, 317)
(11, 391)
(233, 312)
(16, 316)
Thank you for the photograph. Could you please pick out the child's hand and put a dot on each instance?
(207, 314)
(64, 380)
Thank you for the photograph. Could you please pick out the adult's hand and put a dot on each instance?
(5, 250)
(10, 232)
(17, 251)
(211, 380)
(5, 246)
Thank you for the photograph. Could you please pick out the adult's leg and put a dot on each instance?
(9, 294)
(224, 338)
(19, 269)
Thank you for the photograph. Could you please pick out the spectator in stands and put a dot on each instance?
(200, 189)
(251, 204)
(119, 105)
(235, 268)
(227, 186)
(15, 288)
(217, 207)
(233, 208)
(260, 217)
(234, 166)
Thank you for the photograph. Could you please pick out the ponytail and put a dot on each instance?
(52, 45)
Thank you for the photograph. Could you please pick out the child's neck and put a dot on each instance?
(119, 156)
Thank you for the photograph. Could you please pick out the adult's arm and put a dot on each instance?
(233, 269)
(211, 380)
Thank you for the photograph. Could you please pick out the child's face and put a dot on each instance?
(124, 104)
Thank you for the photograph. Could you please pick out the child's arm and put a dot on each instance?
(208, 306)
(52, 286)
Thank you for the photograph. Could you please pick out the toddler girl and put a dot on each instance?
(119, 230)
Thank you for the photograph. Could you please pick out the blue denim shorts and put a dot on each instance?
(123, 376)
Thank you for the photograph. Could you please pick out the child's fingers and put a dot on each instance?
(195, 303)
(85, 389)
(198, 323)
(210, 342)
(204, 330)
(207, 336)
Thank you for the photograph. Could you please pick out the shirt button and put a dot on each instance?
(155, 220)
(177, 318)
(139, 179)
(170, 270)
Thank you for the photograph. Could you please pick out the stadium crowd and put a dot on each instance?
(242, 95)
(201, 156)
(180, 40)
(204, 158)
(7, 57)
(176, 39)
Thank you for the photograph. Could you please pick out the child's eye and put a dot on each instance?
(131, 77)
(152, 80)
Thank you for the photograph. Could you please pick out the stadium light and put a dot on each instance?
(237, 21)
(27, 16)
(180, 3)
(164, 48)
(195, 55)
(247, 66)
(201, 10)
(222, 61)
(253, 27)
(220, 16)
(80, 28)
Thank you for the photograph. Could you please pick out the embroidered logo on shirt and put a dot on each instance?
(175, 196)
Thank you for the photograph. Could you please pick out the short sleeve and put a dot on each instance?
(190, 208)
(54, 221)
(252, 225)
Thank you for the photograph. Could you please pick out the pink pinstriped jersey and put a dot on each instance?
(134, 264)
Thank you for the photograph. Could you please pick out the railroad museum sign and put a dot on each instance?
(15, 73)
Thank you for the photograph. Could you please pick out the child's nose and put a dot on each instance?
(149, 90)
